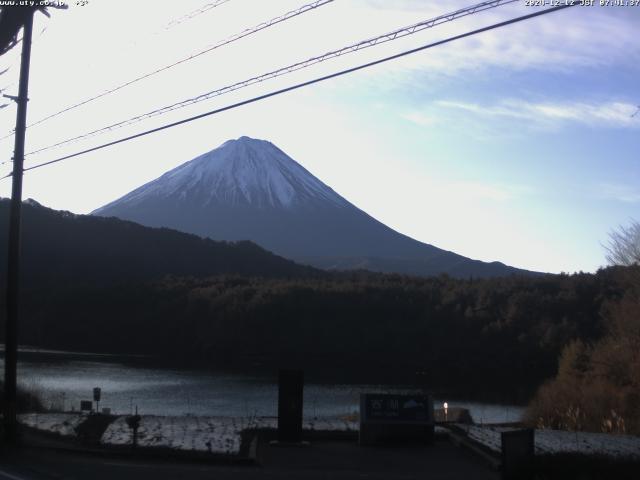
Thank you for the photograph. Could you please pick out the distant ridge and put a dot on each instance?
(248, 189)
(61, 246)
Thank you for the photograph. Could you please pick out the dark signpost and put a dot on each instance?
(133, 422)
(96, 397)
(395, 418)
(290, 401)
(517, 454)
(86, 405)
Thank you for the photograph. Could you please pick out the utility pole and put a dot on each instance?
(13, 264)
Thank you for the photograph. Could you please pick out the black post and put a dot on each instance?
(290, 402)
(518, 453)
(13, 265)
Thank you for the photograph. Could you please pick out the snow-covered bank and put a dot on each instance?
(204, 434)
(217, 435)
(64, 424)
(556, 441)
(222, 435)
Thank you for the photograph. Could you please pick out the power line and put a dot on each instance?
(304, 84)
(195, 13)
(231, 39)
(387, 37)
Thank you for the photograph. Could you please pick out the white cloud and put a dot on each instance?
(611, 114)
(562, 41)
(419, 118)
(621, 193)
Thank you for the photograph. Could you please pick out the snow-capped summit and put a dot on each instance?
(245, 171)
(248, 189)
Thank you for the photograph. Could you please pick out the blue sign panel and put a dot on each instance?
(400, 408)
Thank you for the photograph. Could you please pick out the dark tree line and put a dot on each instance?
(474, 336)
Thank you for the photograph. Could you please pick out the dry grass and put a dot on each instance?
(597, 387)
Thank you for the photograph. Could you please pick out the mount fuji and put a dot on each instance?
(248, 189)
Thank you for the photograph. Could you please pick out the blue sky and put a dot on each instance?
(516, 145)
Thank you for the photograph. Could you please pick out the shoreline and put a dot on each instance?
(234, 440)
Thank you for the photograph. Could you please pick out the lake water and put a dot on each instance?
(62, 380)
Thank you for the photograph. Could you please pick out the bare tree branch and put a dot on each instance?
(624, 245)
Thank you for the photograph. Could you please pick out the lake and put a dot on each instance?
(63, 379)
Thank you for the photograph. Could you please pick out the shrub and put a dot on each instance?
(597, 387)
(29, 399)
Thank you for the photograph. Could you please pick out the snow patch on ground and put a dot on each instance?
(212, 434)
(330, 425)
(64, 424)
(204, 434)
(556, 441)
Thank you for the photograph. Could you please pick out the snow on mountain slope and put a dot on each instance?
(242, 171)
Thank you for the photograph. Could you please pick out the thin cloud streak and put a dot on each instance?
(582, 37)
(618, 192)
(611, 114)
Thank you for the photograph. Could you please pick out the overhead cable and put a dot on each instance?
(233, 38)
(395, 34)
(304, 84)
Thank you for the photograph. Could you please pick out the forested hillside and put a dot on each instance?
(60, 246)
(475, 335)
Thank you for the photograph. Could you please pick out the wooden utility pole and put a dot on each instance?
(13, 264)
